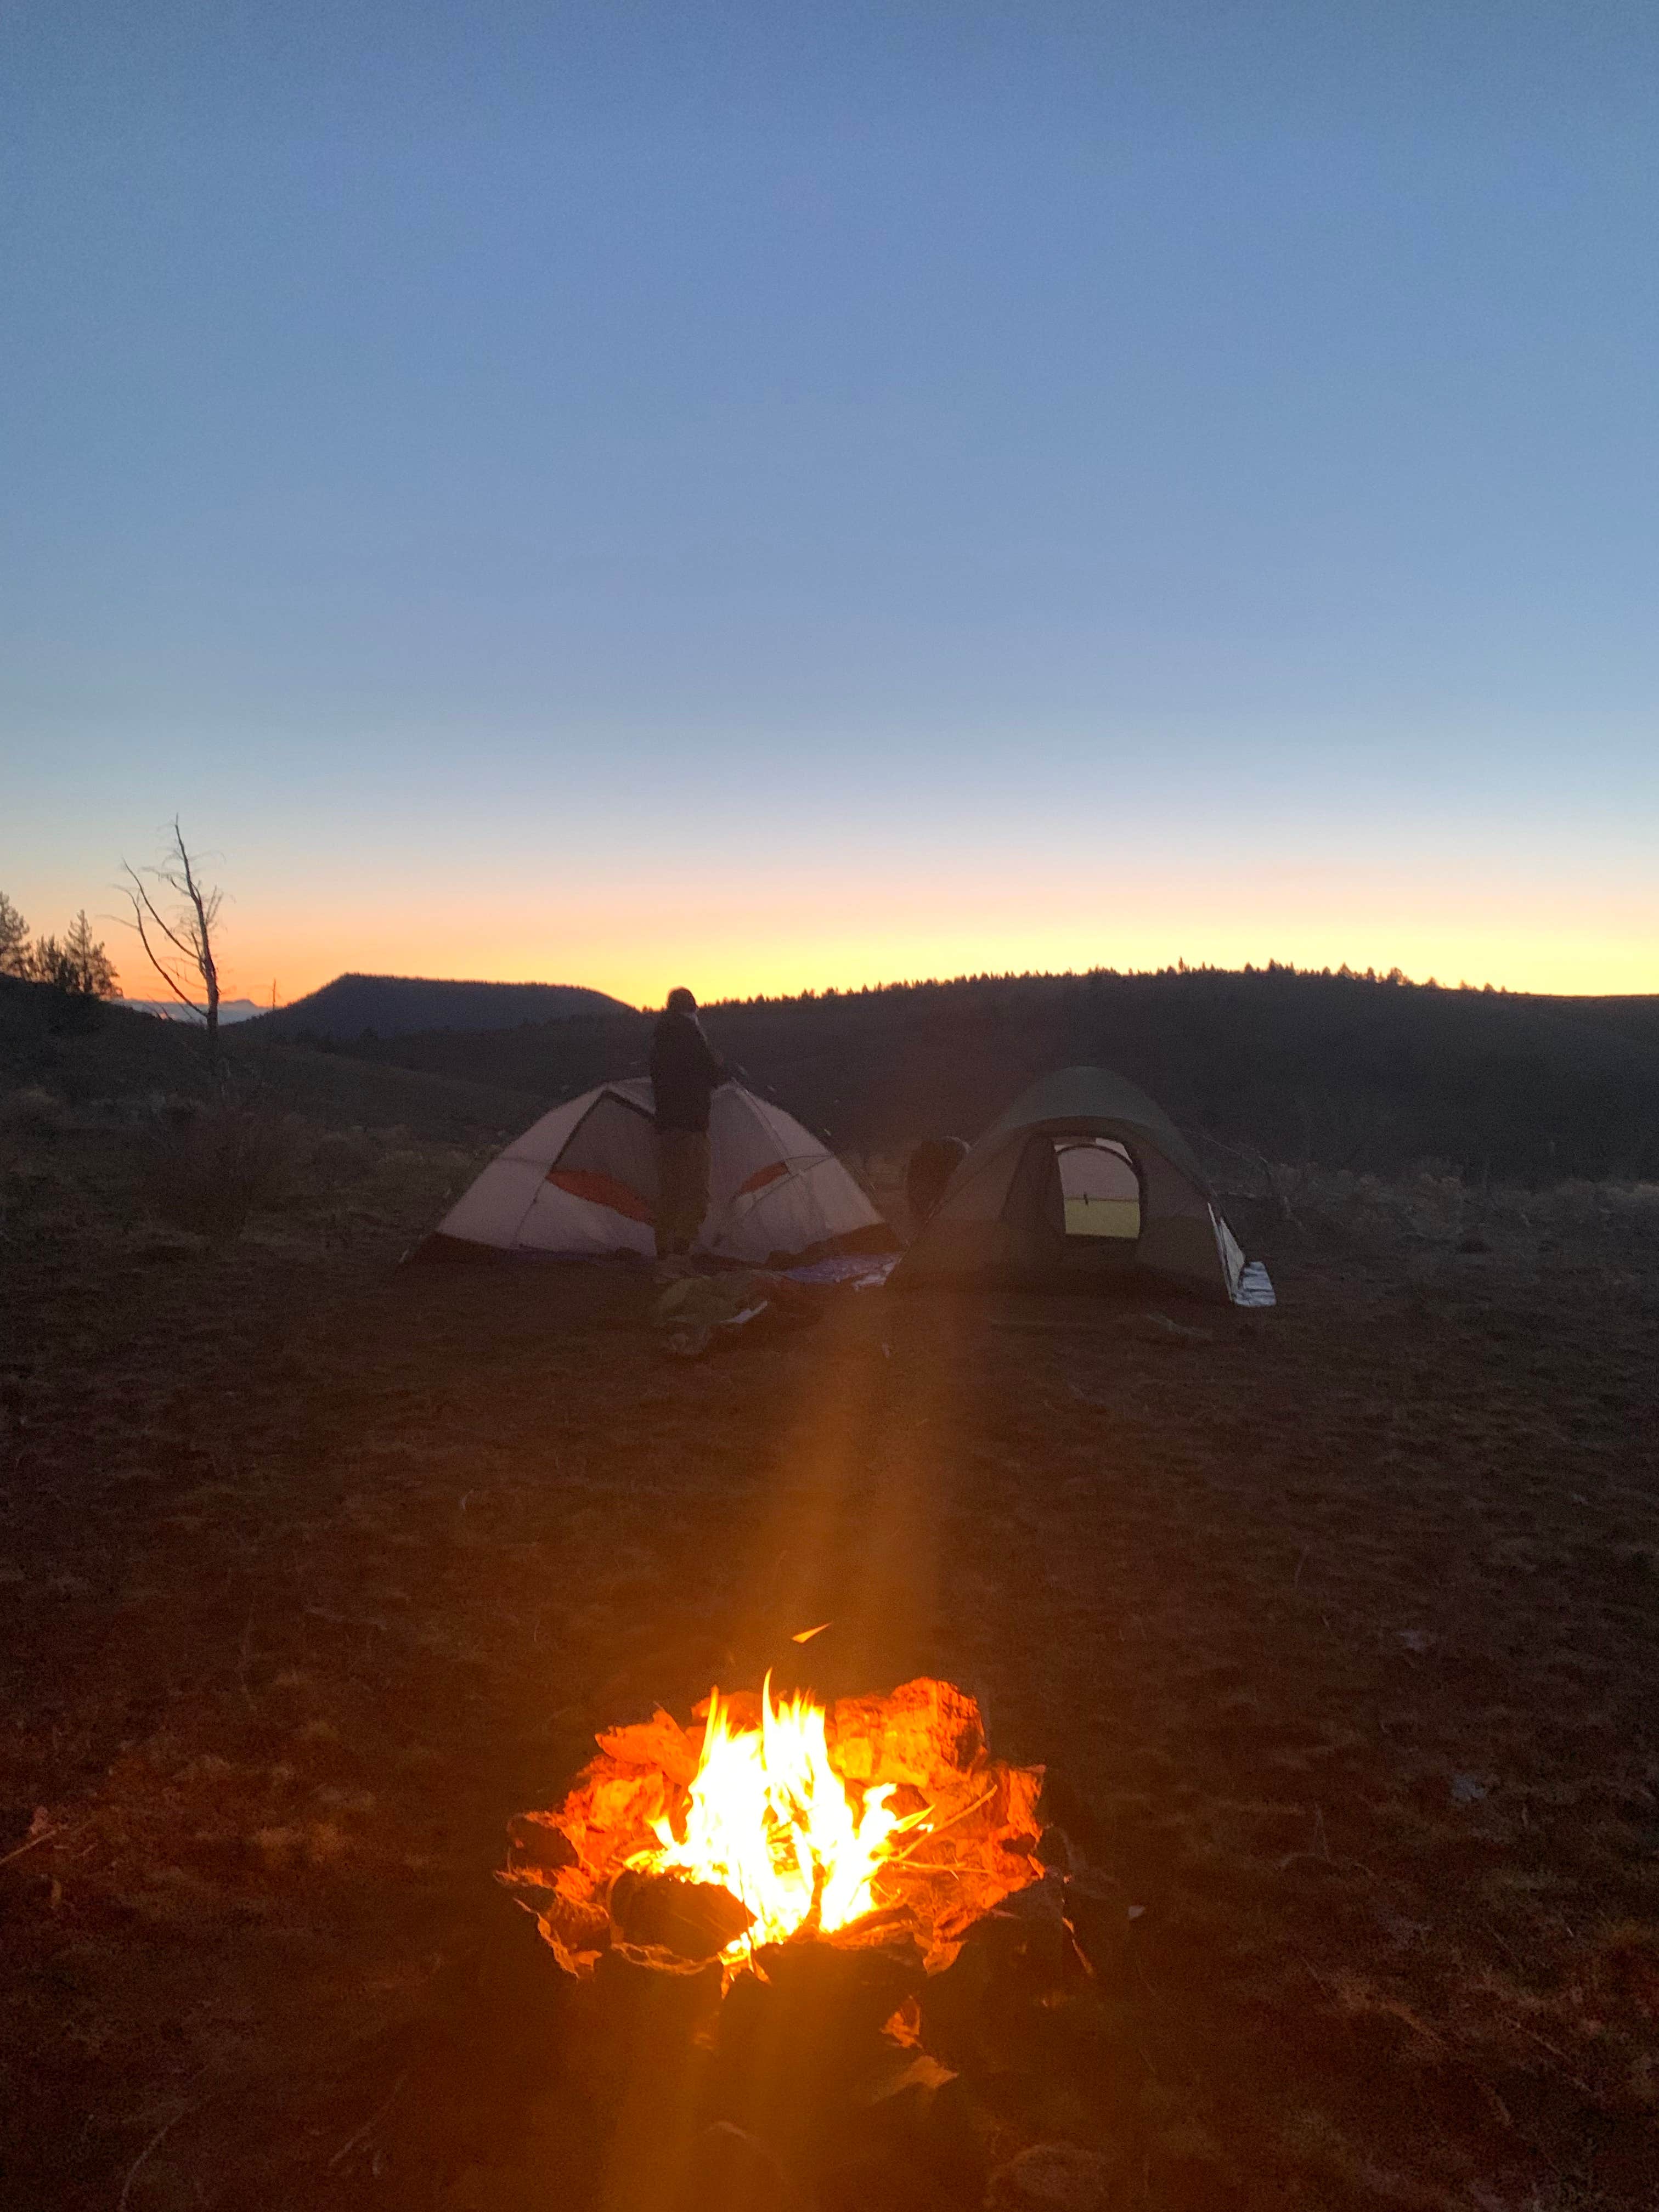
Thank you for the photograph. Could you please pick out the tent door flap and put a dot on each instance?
(1100, 1189)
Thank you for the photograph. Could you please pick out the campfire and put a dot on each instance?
(875, 1822)
(838, 1944)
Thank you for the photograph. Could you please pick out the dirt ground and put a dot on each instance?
(1336, 1622)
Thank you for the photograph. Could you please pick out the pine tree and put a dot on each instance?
(92, 968)
(80, 967)
(14, 939)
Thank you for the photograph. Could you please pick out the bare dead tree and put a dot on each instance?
(180, 943)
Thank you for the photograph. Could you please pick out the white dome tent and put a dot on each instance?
(582, 1183)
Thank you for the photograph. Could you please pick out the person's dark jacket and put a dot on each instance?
(685, 1072)
(932, 1163)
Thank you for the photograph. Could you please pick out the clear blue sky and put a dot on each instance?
(774, 494)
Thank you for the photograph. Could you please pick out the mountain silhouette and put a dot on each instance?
(353, 1006)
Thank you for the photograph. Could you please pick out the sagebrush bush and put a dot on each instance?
(398, 1169)
(1428, 1206)
(212, 1169)
(344, 1156)
(31, 1112)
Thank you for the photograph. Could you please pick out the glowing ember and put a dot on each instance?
(884, 1821)
(772, 1822)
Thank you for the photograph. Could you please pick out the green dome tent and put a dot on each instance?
(1083, 1178)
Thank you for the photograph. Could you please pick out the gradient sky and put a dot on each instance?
(779, 495)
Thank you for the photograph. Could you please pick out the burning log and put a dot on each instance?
(883, 1823)
(691, 1920)
(926, 1732)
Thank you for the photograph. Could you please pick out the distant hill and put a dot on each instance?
(175, 1009)
(1346, 1071)
(353, 1006)
(129, 1062)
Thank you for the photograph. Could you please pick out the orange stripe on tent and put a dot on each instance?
(601, 1190)
(761, 1176)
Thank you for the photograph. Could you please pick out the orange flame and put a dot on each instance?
(770, 1820)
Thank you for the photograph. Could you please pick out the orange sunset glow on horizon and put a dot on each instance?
(730, 950)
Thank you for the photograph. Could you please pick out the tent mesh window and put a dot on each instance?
(1100, 1188)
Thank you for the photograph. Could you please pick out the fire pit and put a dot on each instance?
(879, 1821)
(837, 1942)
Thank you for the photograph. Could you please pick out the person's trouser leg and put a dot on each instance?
(696, 1187)
(668, 1207)
(683, 1159)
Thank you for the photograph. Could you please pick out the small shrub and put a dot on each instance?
(31, 1112)
(398, 1168)
(213, 1168)
(344, 1156)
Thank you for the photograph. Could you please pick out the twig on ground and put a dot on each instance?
(354, 2143)
(142, 2158)
(1555, 2051)
(1313, 1973)
(45, 1836)
(1323, 1859)
(1507, 1948)
(242, 1660)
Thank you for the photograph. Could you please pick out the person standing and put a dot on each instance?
(932, 1163)
(685, 1073)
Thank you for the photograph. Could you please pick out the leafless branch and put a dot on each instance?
(190, 931)
(143, 905)
(160, 921)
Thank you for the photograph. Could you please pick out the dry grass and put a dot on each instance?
(1433, 1207)
(1337, 1622)
(30, 1112)
(213, 1166)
